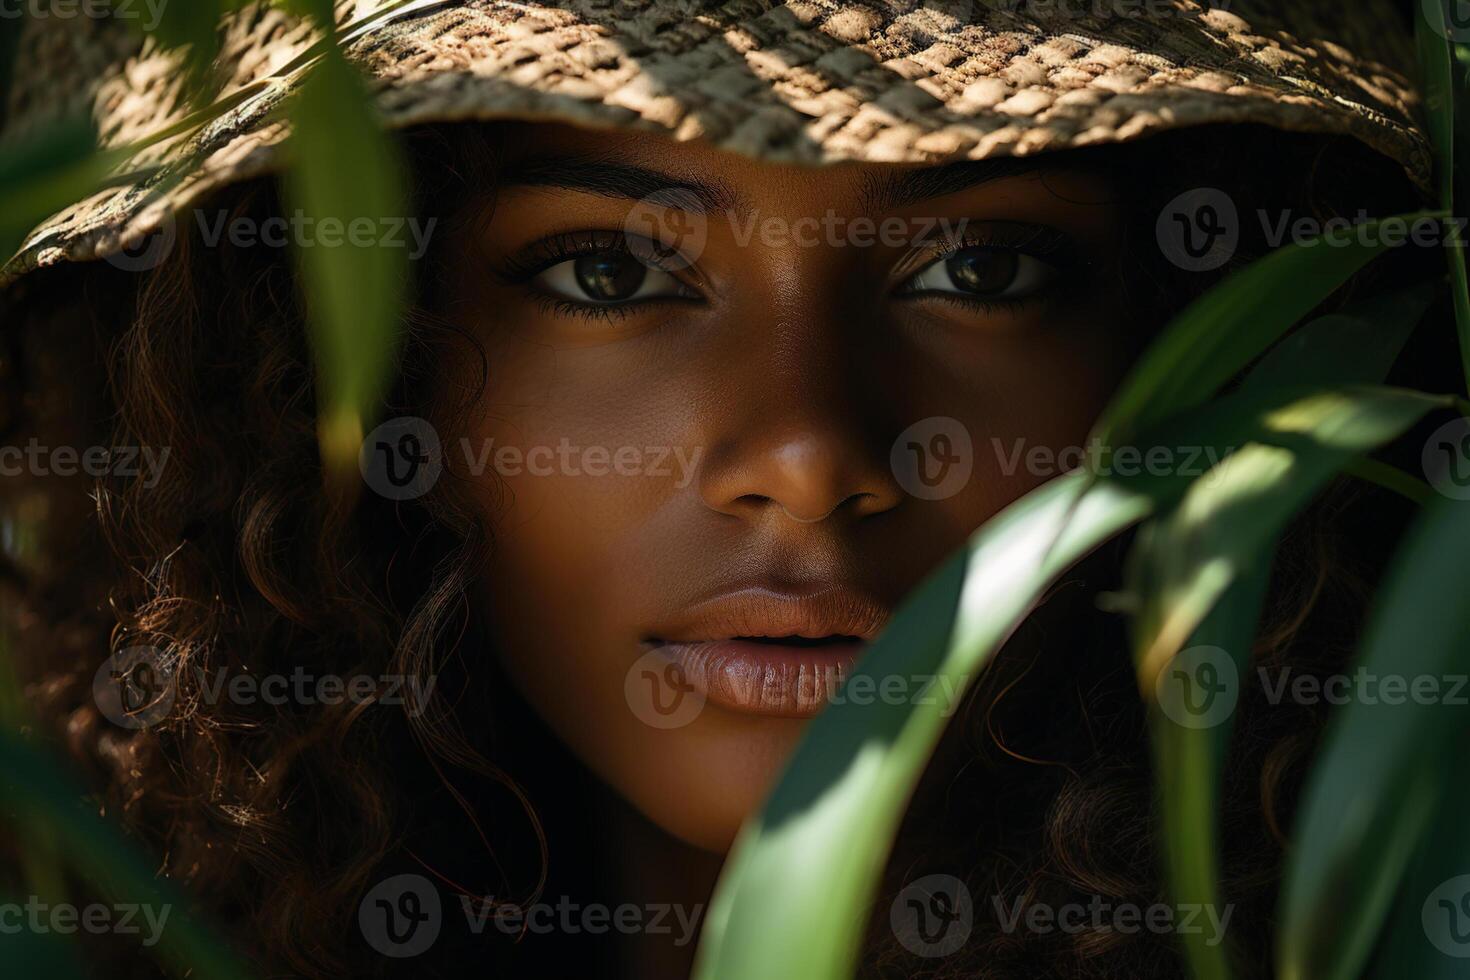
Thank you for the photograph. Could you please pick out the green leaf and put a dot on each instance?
(1187, 763)
(320, 10)
(32, 787)
(193, 28)
(59, 167)
(1420, 942)
(31, 954)
(1229, 520)
(1437, 64)
(346, 172)
(1230, 326)
(1356, 346)
(793, 898)
(1369, 800)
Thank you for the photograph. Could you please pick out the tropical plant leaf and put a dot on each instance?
(1425, 932)
(1229, 327)
(840, 800)
(31, 954)
(346, 170)
(1228, 520)
(58, 167)
(1436, 61)
(32, 787)
(1356, 347)
(1370, 798)
(1187, 765)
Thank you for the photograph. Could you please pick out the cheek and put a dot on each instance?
(583, 464)
(1021, 412)
(588, 486)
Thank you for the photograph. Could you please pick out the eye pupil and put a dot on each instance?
(983, 270)
(610, 276)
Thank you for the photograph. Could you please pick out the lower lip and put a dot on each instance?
(766, 678)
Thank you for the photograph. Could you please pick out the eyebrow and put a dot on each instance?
(622, 181)
(901, 188)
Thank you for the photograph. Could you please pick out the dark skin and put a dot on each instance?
(783, 367)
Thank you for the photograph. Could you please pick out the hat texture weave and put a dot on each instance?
(801, 81)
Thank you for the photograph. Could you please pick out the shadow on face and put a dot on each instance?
(737, 410)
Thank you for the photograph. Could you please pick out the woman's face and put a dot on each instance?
(737, 410)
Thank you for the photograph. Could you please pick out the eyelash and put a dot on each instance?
(1037, 241)
(523, 267)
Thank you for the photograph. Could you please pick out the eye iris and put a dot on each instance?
(983, 270)
(610, 276)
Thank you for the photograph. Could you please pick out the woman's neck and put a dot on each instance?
(666, 880)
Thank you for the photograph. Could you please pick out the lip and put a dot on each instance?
(729, 648)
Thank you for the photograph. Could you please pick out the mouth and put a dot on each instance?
(771, 651)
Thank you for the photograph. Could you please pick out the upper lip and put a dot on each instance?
(810, 611)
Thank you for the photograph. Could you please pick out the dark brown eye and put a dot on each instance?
(984, 271)
(607, 277)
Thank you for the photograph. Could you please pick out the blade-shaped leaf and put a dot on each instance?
(1368, 801)
(1230, 519)
(1230, 326)
(32, 787)
(1436, 61)
(793, 896)
(1187, 764)
(346, 171)
(1355, 347)
(1426, 937)
(60, 166)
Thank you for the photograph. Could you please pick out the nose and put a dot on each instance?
(797, 446)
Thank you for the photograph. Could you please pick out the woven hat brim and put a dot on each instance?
(802, 82)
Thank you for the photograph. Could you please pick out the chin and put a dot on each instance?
(701, 782)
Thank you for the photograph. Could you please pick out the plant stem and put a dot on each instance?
(1392, 478)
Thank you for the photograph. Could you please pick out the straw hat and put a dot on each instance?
(801, 81)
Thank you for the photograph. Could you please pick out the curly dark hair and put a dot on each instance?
(279, 817)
